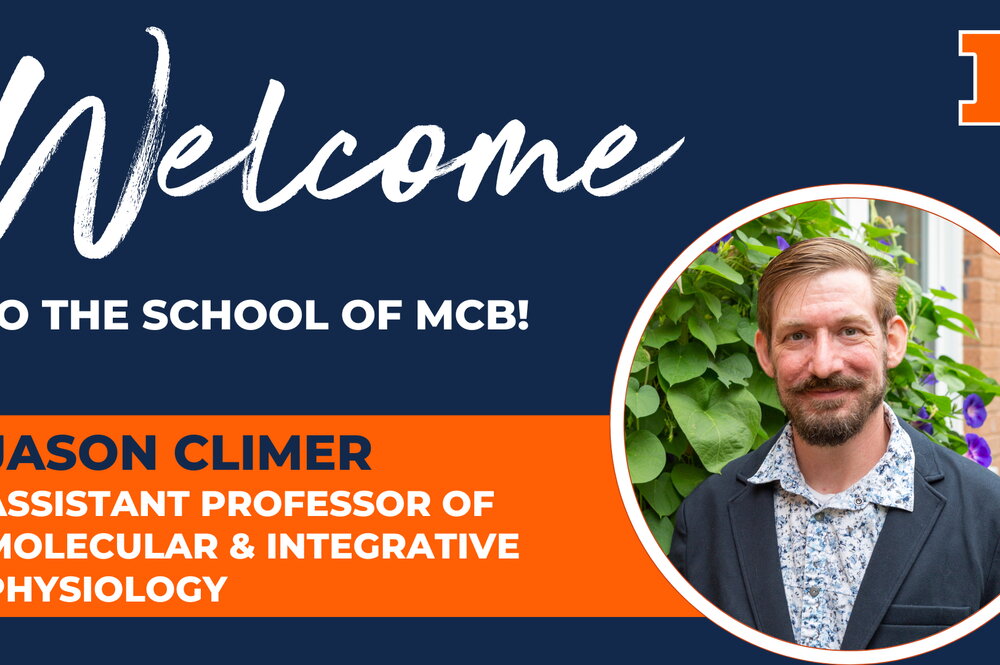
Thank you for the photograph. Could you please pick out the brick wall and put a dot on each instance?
(982, 305)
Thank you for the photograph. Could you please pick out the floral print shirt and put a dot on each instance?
(824, 544)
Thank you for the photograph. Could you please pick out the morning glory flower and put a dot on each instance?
(885, 241)
(782, 244)
(974, 410)
(979, 450)
(922, 424)
(715, 248)
(929, 380)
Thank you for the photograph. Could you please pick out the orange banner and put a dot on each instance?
(352, 516)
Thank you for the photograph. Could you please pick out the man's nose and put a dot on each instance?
(826, 359)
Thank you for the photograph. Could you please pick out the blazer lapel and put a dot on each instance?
(751, 514)
(902, 537)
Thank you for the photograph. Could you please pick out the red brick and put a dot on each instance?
(973, 309)
(989, 360)
(990, 313)
(991, 267)
(980, 290)
(973, 265)
(976, 247)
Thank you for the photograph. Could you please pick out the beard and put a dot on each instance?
(817, 422)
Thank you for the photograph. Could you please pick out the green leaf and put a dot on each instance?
(721, 423)
(686, 477)
(656, 336)
(746, 329)
(811, 210)
(771, 422)
(712, 302)
(641, 360)
(957, 316)
(641, 400)
(953, 382)
(682, 362)
(968, 369)
(655, 422)
(903, 374)
(678, 445)
(758, 259)
(711, 263)
(724, 327)
(947, 323)
(661, 527)
(645, 455)
(764, 249)
(877, 253)
(701, 330)
(764, 390)
(734, 369)
(942, 402)
(924, 329)
(661, 495)
(947, 295)
(873, 231)
(676, 305)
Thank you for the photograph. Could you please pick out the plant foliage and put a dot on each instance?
(697, 398)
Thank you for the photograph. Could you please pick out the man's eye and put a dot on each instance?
(851, 332)
(797, 336)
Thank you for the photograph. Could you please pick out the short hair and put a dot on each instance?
(815, 256)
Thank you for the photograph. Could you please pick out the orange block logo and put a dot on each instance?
(984, 107)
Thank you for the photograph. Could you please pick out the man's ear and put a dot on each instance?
(764, 352)
(895, 341)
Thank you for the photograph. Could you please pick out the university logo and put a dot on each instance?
(984, 107)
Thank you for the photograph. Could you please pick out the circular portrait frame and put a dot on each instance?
(622, 372)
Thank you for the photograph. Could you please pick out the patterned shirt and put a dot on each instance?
(824, 543)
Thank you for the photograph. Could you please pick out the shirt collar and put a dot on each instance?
(889, 483)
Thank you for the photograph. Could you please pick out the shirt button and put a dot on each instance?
(814, 591)
(859, 502)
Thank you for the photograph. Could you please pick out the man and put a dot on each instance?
(849, 529)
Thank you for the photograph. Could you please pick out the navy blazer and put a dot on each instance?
(930, 568)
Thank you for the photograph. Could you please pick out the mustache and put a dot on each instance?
(835, 382)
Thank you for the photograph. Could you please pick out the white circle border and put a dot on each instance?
(622, 372)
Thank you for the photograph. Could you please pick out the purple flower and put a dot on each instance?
(975, 410)
(885, 241)
(782, 243)
(922, 424)
(715, 248)
(979, 450)
(929, 380)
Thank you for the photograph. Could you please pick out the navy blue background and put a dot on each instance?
(769, 100)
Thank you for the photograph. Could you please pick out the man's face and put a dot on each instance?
(829, 355)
